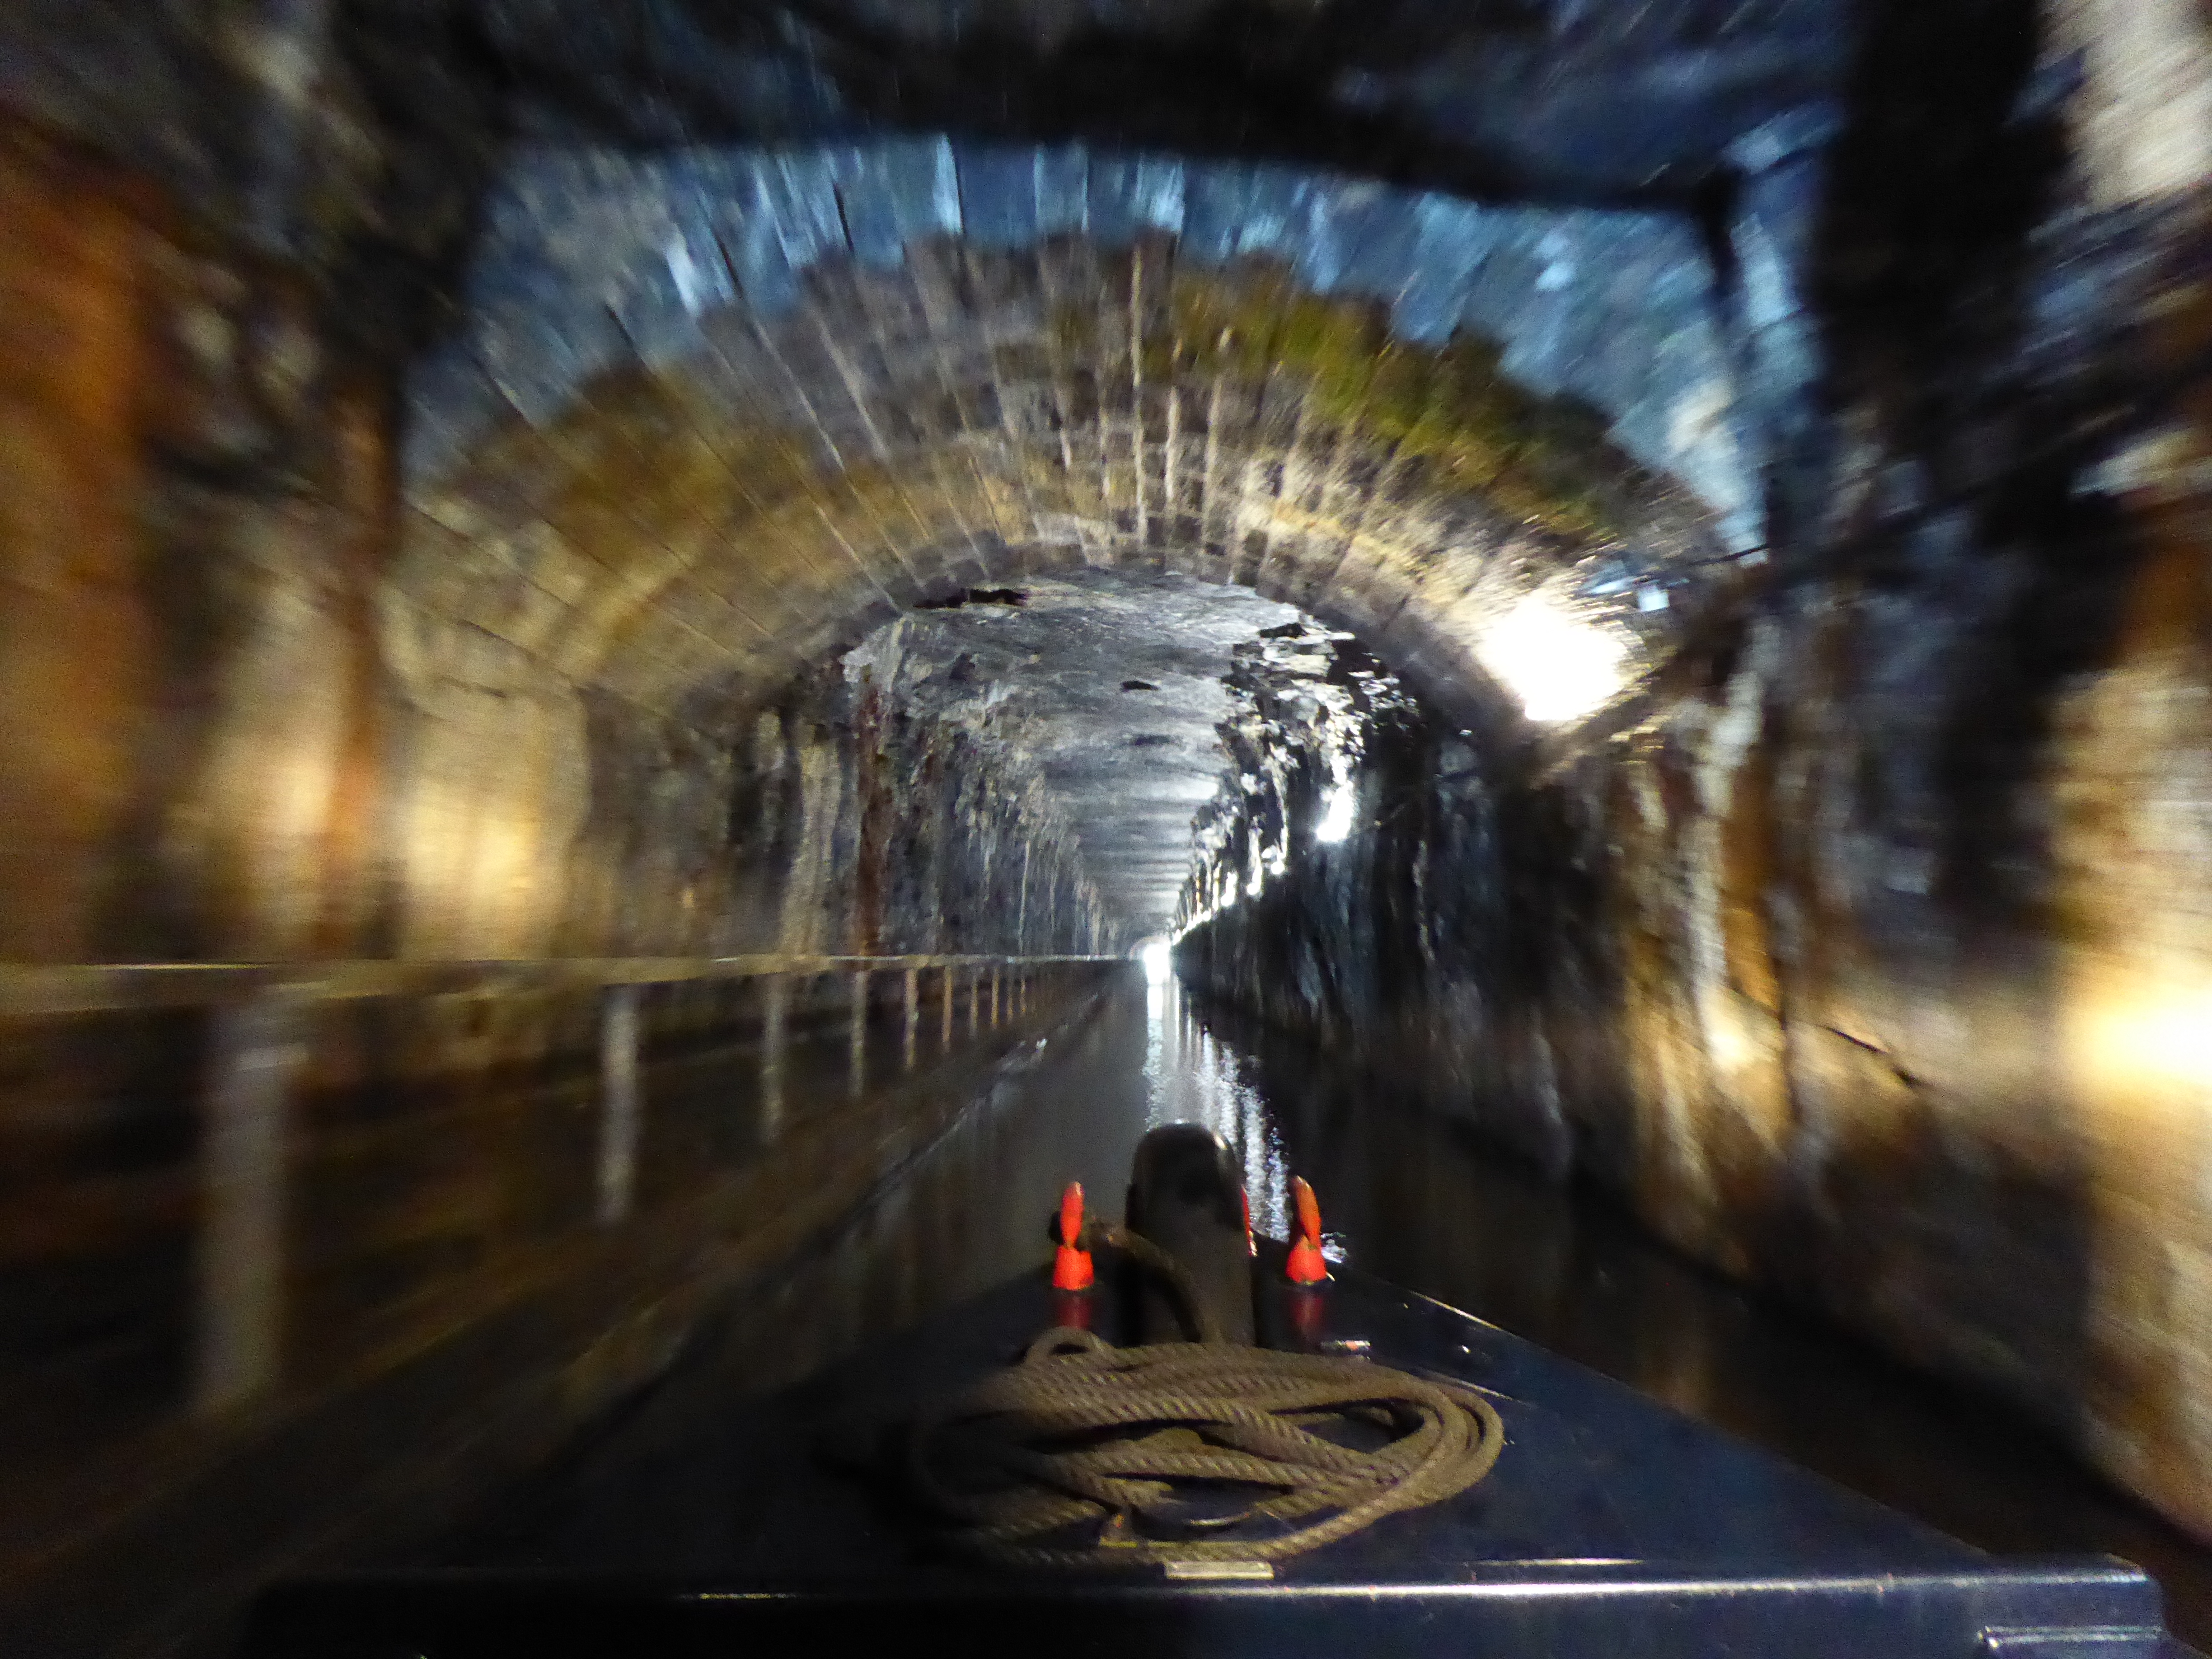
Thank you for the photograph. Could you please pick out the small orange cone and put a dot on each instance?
(1306, 1265)
(1071, 1263)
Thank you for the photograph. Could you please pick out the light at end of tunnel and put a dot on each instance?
(1557, 667)
(1336, 816)
(1157, 961)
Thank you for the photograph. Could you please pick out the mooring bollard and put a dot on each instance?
(618, 1103)
(857, 1054)
(775, 1008)
(255, 1055)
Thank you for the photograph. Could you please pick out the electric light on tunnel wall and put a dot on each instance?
(1557, 666)
(1335, 821)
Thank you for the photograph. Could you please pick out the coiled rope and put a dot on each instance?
(1086, 1454)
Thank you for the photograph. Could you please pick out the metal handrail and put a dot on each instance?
(34, 990)
(260, 1035)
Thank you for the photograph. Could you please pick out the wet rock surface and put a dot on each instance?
(1858, 964)
(265, 116)
(449, 448)
(1040, 684)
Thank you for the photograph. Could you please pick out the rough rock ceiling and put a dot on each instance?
(1108, 686)
(355, 128)
(1573, 99)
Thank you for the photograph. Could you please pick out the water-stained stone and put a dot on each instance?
(1838, 364)
(1107, 688)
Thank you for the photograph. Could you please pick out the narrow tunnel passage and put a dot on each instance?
(619, 619)
(1415, 1198)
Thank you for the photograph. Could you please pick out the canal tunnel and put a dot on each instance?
(663, 659)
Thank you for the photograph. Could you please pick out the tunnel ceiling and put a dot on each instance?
(1571, 100)
(715, 414)
(1105, 685)
(733, 331)
(1567, 98)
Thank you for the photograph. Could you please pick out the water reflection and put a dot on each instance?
(1414, 1199)
(1424, 1202)
(1193, 1077)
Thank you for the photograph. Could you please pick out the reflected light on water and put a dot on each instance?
(1190, 1077)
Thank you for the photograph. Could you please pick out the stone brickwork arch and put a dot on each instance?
(714, 414)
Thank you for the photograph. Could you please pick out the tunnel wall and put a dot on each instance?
(1424, 940)
(1871, 964)
(1915, 988)
(1876, 971)
(222, 744)
(229, 744)
(195, 497)
(822, 818)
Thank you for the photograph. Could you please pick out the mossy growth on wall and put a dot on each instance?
(1546, 461)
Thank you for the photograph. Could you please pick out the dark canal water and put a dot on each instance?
(1409, 1197)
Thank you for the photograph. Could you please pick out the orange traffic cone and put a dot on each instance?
(1071, 1263)
(1306, 1265)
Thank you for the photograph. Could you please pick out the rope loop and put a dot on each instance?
(1086, 1454)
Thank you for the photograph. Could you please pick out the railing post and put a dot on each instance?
(775, 1011)
(913, 1012)
(945, 978)
(240, 1248)
(974, 1001)
(857, 1057)
(618, 1103)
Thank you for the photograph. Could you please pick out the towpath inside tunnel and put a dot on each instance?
(659, 1485)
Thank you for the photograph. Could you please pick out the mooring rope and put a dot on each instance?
(1087, 1456)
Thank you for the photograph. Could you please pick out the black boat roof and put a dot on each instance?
(1612, 1525)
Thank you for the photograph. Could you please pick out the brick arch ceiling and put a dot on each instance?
(714, 413)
